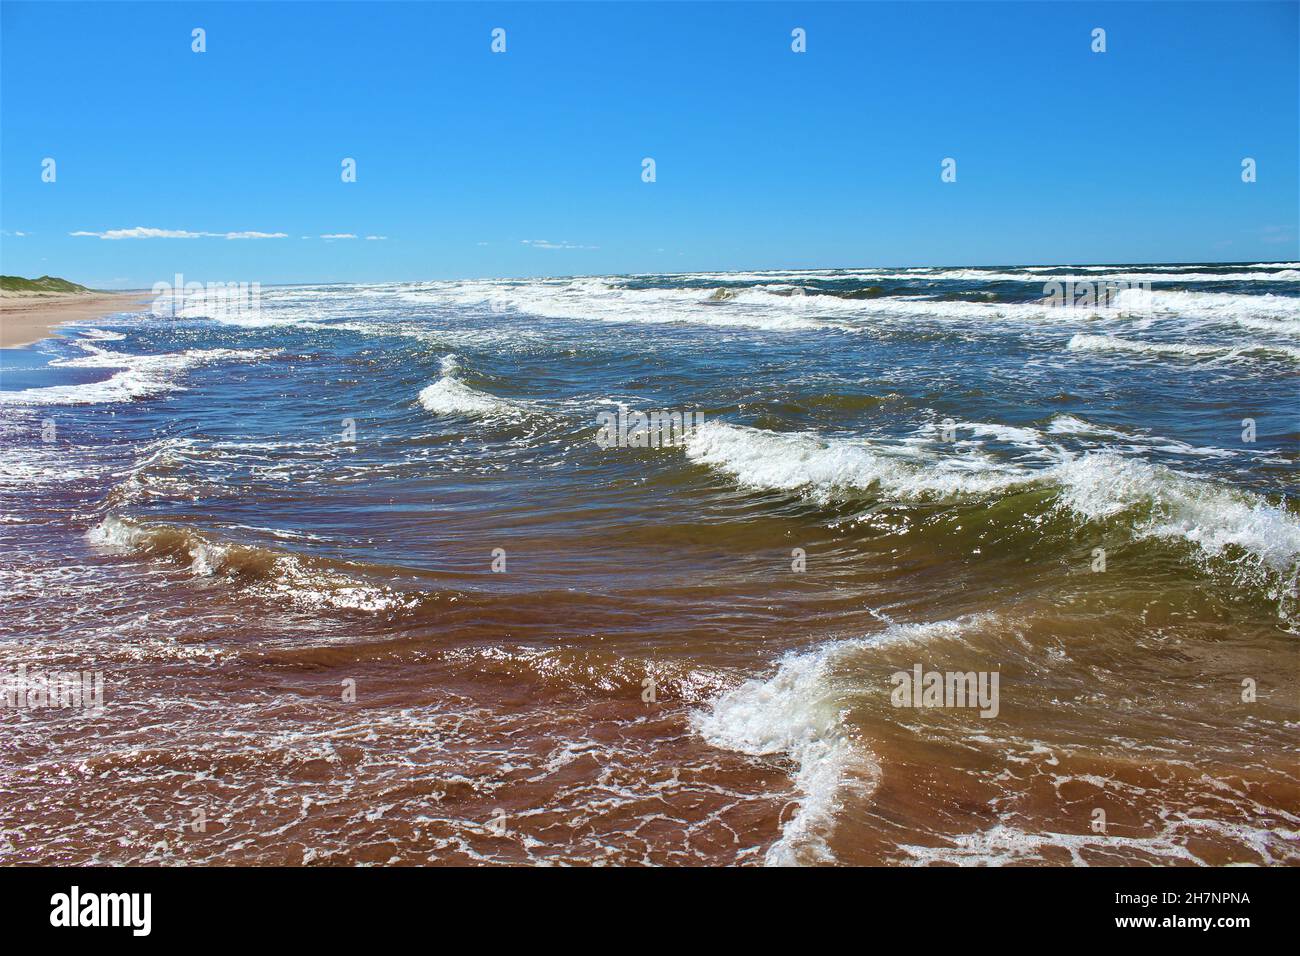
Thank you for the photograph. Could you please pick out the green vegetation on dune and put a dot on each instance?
(43, 284)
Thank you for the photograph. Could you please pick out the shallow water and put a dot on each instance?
(240, 517)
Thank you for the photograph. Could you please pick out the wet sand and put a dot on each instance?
(25, 319)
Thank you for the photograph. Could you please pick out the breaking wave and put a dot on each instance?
(141, 376)
(305, 583)
(451, 396)
(829, 469)
(1108, 343)
(1259, 538)
(798, 713)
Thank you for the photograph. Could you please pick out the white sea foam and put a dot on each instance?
(1283, 272)
(1083, 342)
(450, 396)
(776, 305)
(98, 335)
(1262, 538)
(1278, 312)
(141, 376)
(1105, 274)
(799, 712)
(793, 713)
(1270, 313)
(124, 386)
(1034, 444)
(28, 466)
(1212, 517)
(1024, 437)
(1177, 840)
(1071, 425)
(280, 577)
(829, 469)
(601, 300)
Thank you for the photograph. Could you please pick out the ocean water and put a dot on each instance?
(364, 585)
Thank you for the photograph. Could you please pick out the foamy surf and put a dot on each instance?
(832, 469)
(140, 376)
(602, 301)
(261, 571)
(450, 396)
(1259, 538)
(1213, 306)
(1175, 843)
(1086, 431)
(1110, 343)
(799, 713)
(794, 713)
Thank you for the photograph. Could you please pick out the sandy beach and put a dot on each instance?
(25, 319)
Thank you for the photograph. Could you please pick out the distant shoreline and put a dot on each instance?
(25, 319)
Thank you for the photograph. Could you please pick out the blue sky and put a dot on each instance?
(471, 163)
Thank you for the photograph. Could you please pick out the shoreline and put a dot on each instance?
(27, 319)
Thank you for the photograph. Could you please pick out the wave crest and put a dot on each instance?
(1260, 539)
(450, 396)
(830, 469)
(141, 376)
(303, 582)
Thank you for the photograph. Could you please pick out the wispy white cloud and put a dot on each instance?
(339, 235)
(547, 244)
(6, 232)
(140, 232)
(147, 232)
(376, 238)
